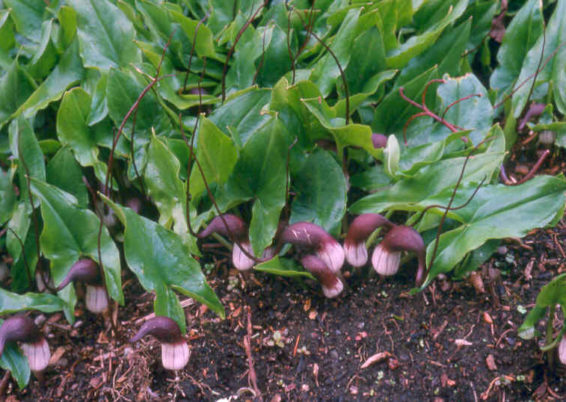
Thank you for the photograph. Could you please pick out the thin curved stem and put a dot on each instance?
(233, 47)
(193, 50)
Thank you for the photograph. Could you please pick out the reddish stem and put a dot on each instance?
(427, 111)
(193, 50)
(529, 175)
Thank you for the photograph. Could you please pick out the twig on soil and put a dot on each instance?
(296, 345)
(496, 381)
(252, 378)
(474, 391)
(558, 246)
(376, 358)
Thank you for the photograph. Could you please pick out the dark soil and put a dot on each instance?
(448, 343)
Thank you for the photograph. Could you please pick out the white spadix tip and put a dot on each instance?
(240, 260)
(332, 254)
(562, 350)
(37, 353)
(356, 254)
(175, 356)
(96, 299)
(384, 261)
(333, 291)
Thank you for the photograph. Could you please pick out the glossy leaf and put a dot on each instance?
(498, 212)
(551, 44)
(64, 172)
(13, 303)
(357, 135)
(240, 116)
(283, 267)
(161, 260)
(15, 87)
(70, 233)
(326, 71)
(161, 176)
(260, 174)
(399, 57)
(521, 34)
(105, 35)
(475, 113)
(434, 178)
(122, 91)
(216, 154)
(7, 197)
(28, 16)
(72, 126)
(67, 72)
(320, 190)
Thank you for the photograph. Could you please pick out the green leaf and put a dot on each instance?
(276, 61)
(326, 71)
(357, 135)
(371, 179)
(475, 113)
(15, 87)
(19, 223)
(527, 329)
(28, 16)
(13, 303)
(99, 105)
(24, 147)
(369, 89)
(216, 154)
(70, 233)
(64, 172)
(161, 260)
(161, 176)
(248, 49)
(72, 126)
(7, 38)
(554, 37)
(7, 197)
(122, 91)
(67, 18)
(283, 267)
(260, 174)
(44, 56)
(416, 44)
(320, 189)
(445, 52)
(67, 72)
(550, 295)
(240, 116)
(430, 180)
(105, 35)
(368, 54)
(205, 39)
(497, 212)
(520, 36)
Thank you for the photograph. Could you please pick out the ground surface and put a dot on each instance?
(450, 343)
